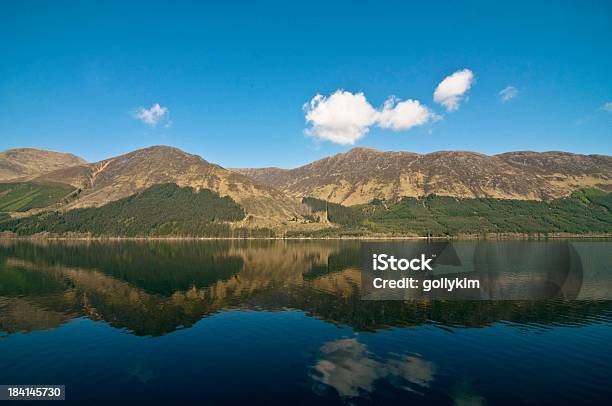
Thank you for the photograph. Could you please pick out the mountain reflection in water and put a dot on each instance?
(376, 350)
(153, 288)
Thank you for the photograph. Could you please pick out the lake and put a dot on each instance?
(260, 322)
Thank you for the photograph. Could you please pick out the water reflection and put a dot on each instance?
(351, 369)
(154, 288)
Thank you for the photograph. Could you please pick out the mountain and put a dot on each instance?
(163, 191)
(117, 178)
(361, 175)
(161, 210)
(26, 162)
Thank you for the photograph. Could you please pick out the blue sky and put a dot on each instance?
(232, 78)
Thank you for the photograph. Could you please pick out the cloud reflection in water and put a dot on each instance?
(349, 367)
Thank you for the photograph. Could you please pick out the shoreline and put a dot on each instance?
(505, 237)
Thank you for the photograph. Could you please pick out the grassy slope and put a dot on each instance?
(24, 196)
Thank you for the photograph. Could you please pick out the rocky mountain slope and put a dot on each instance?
(361, 175)
(25, 162)
(116, 178)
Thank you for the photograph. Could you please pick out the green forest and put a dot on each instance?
(161, 210)
(169, 210)
(586, 211)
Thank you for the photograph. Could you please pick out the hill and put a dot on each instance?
(160, 210)
(119, 177)
(165, 191)
(361, 175)
(27, 162)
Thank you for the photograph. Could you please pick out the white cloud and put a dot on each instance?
(153, 115)
(453, 88)
(607, 107)
(344, 117)
(507, 93)
(403, 115)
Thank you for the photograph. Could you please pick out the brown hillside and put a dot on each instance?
(362, 174)
(122, 176)
(24, 162)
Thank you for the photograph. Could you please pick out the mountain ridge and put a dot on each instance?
(19, 163)
(363, 174)
(119, 177)
(274, 197)
(162, 190)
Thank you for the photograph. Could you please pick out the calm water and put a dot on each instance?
(284, 322)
